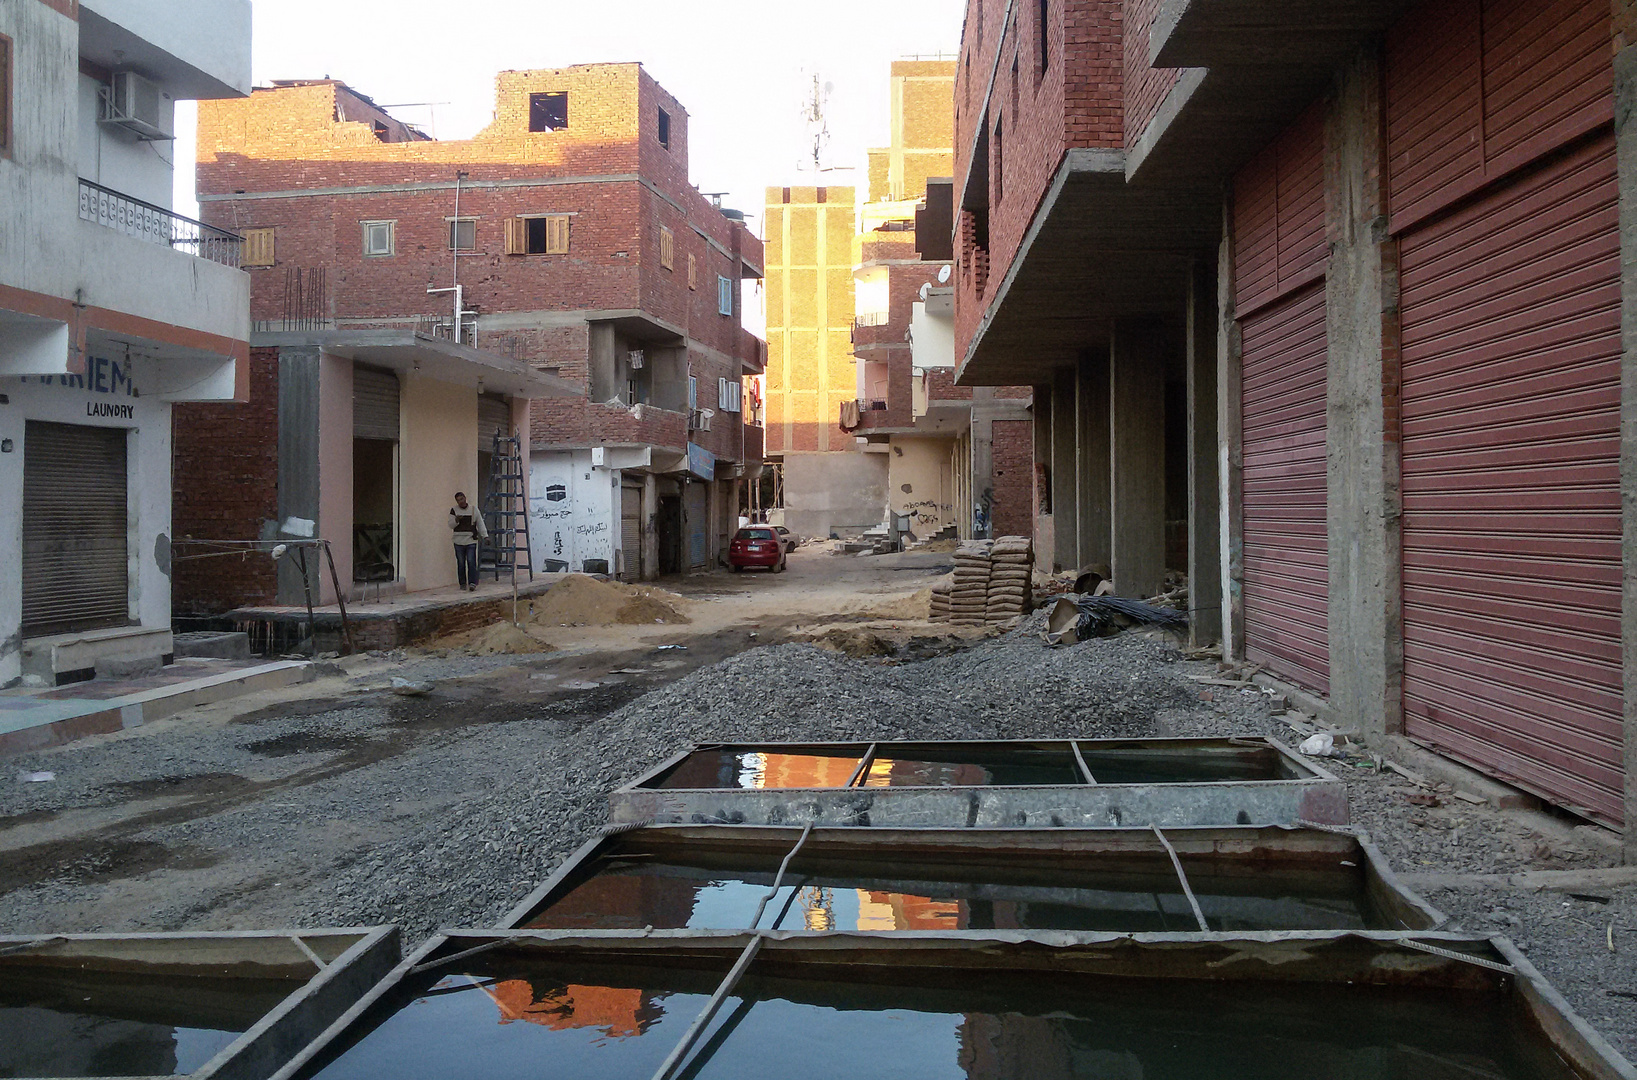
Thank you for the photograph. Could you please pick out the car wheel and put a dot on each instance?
(734, 568)
(779, 569)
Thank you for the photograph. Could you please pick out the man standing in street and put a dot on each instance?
(467, 525)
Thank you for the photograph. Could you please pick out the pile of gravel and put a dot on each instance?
(473, 865)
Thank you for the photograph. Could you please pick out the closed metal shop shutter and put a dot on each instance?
(1287, 560)
(75, 574)
(374, 404)
(1511, 483)
(631, 532)
(494, 413)
(698, 527)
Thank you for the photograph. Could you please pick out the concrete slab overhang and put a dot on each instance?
(436, 358)
(197, 49)
(1219, 33)
(1099, 248)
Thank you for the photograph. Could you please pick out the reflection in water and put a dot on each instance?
(631, 892)
(747, 769)
(597, 1022)
(996, 768)
(989, 1026)
(71, 1023)
(516, 1019)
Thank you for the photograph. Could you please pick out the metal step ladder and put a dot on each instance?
(506, 510)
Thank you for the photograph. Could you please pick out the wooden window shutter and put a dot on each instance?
(517, 236)
(557, 234)
(258, 248)
(667, 248)
(693, 272)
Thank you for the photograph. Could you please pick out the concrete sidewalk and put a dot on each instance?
(34, 719)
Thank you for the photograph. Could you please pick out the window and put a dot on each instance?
(728, 395)
(693, 272)
(664, 129)
(544, 234)
(667, 248)
(378, 238)
(724, 295)
(381, 132)
(258, 248)
(1043, 12)
(462, 234)
(693, 392)
(1014, 89)
(5, 96)
(548, 112)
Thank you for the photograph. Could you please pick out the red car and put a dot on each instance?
(757, 545)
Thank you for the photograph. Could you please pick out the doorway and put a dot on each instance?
(374, 510)
(668, 530)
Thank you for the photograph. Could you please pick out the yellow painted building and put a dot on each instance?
(809, 247)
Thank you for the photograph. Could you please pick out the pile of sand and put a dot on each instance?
(858, 644)
(917, 606)
(579, 600)
(496, 639)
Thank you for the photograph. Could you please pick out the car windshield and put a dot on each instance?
(755, 534)
(781, 530)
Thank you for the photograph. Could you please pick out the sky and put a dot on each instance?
(742, 68)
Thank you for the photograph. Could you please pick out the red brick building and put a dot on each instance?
(582, 250)
(1331, 306)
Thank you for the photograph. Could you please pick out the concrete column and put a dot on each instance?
(1362, 429)
(1204, 487)
(1092, 461)
(1230, 446)
(983, 464)
(650, 532)
(1065, 472)
(1045, 531)
(1137, 458)
(1625, 133)
(298, 491)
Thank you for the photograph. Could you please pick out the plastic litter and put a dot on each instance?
(1321, 745)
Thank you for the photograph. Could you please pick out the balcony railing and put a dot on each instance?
(155, 224)
(870, 318)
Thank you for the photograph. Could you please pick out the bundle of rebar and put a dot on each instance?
(1102, 615)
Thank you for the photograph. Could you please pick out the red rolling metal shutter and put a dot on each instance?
(1287, 570)
(1279, 265)
(1511, 482)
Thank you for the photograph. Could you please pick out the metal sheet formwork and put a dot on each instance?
(672, 877)
(1171, 783)
(606, 1005)
(185, 982)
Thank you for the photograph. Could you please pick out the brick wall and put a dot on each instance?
(225, 479)
(1076, 100)
(1013, 512)
(1145, 86)
(320, 137)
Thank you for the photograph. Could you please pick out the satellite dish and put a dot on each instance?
(943, 274)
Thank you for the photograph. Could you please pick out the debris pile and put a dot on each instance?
(991, 582)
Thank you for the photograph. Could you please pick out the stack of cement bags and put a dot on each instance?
(991, 582)
(1011, 567)
(969, 594)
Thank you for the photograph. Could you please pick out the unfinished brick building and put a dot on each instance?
(1341, 295)
(582, 249)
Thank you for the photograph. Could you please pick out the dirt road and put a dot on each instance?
(237, 815)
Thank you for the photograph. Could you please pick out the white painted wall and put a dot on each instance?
(66, 400)
(573, 509)
(113, 157)
(47, 248)
(932, 338)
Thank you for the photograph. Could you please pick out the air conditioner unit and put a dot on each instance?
(139, 106)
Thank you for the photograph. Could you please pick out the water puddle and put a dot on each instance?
(512, 1016)
(493, 1019)
(56, 1023)
(633, 891)
(1184, 766)
(951, 767)
(736, 767)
